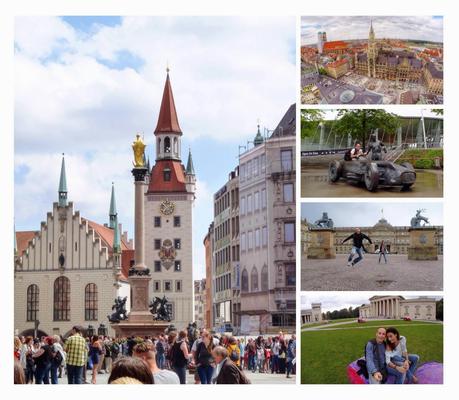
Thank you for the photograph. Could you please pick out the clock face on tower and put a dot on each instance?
(166, 207)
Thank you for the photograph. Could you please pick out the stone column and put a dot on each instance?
(139, 217)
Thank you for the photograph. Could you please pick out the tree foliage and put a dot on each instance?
(439, 310)
(310, 120)
(343, 313)
(360, 123)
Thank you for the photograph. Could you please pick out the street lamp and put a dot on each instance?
(90, 331)
(102, 330)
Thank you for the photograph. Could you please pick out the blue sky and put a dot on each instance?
(357, 27)
(85, 86)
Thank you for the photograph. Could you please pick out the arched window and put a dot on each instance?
(158, 146)
(254, 280)
(245, 281)
(175, 146)
(264, 278)
(32, 302)
(167, 144)
(61, 299)
(90, 302)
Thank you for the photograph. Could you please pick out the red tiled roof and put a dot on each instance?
(336, 45)
(106, 234)
(337, 63)
(167, 120)
(177, 181)
(22, 240)
(126, 257)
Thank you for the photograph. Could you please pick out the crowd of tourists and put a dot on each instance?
(163, 359)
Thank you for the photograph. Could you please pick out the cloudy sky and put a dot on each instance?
(357, 27)
(368, 214)
(84, 86)
(337, 301)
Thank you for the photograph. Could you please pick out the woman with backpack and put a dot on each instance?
(58, 360)
(180, 356)
(234, 351)
(95, 351)
(204, 359)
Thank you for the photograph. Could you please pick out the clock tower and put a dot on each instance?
(168, 216)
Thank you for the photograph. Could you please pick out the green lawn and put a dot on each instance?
(325, 354)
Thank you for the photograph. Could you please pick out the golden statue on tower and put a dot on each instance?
(138, 146)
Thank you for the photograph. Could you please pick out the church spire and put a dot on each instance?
(63, 185)
(167, 120)
(116, 237)
(189, 165)
(113, 213)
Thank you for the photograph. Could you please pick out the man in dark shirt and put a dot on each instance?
(357, 246)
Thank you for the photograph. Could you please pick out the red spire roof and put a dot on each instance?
(167, 120)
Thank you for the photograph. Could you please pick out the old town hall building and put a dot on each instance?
(168, 216)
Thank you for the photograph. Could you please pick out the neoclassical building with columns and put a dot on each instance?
(312, 315)
(396, 307)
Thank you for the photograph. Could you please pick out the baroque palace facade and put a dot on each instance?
(70, 270)
(396, 238)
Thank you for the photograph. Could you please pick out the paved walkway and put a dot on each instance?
(255, 378)
(399, 274)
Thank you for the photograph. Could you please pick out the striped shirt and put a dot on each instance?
(77, 352)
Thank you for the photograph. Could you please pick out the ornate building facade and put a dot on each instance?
(226, 254)
(396, 307)
(168, 216)
(69, 271)
(267, 230)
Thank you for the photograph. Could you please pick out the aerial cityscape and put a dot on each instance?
(385, 65)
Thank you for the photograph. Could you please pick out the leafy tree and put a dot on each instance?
(359, 123)
(438, 111)
(310, 120)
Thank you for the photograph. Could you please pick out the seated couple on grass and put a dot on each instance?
(387, 355)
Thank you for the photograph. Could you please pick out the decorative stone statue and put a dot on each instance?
(324, 222)
(139, 272)
(138, 146)
(416, 221)
(158, 307)
(120, 313)
(192, 331)
(376, 147)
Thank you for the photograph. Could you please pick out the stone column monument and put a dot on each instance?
(422, 239)
(140, 321)
(322, 239)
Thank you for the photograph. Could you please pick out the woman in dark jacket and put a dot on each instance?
(180, 356)
(204, 359)
(43, 358)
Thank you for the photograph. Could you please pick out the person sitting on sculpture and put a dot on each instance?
(376, 147)
(357, 151)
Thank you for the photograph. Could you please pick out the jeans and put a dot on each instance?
(42, 374)
(54, 368)
(413, 359)
(275, 364)
(75, 374)
(252, 363)
(205, 373)
(260, 362)
(399, 376)
(181, 373)
(354, 250)
(384, 255)
(161, 360)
